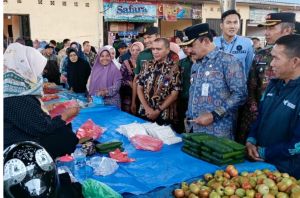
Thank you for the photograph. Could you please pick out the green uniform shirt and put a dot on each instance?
(144, 55)
(185, 67)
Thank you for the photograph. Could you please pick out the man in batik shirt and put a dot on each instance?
(159, 85)
(277, 25)
(218, 85)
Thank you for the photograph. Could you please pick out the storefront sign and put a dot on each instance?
(129, 12)
(184, 12)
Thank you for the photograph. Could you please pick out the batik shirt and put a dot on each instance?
(217, 82)
(158, 81)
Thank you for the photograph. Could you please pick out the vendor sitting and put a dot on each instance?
(24, 118)
(275, 136)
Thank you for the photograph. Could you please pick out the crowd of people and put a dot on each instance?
(228, 85)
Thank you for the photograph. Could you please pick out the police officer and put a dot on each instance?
(277, 25)
(218, 85)
(230, 42)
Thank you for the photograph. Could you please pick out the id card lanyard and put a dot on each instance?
(223, 44)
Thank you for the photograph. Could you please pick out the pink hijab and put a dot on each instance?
(102, 77)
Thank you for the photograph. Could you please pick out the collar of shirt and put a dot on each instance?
(232, 41)
(212, 54)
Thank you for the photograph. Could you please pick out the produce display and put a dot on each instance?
(219, 151)
(105, 148)
(229, 183)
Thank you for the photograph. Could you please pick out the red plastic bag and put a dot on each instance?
(49, 97)
(61, 107)
(146, 142)
(120, 156)
(89, 129)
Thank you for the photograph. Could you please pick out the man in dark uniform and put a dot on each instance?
(275, 136)
(277, 25)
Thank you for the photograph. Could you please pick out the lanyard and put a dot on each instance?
(223, 47)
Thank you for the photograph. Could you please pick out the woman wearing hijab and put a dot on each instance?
(112, 52)
(78, 71)
(128, 75)
(24, 117)
(105, 79)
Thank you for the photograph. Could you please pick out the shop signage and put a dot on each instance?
(129, 12)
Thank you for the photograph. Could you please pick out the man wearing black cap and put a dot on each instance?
(49, 53)
(276, 26)
(218, 85)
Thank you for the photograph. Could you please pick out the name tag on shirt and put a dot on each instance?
(205, 88)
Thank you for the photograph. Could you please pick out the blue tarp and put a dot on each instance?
(153, 174)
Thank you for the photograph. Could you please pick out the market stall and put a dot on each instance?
(153, 174)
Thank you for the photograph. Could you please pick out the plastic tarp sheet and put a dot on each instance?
(153, 174)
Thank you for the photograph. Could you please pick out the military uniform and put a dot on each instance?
(259, 77)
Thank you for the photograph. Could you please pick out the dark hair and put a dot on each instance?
(93, 49)
(70, 50)
(51, 72)
(65, 41)
(164, 40)
(20, 40)
(229, 12)
(85, 42)
(213, 32)
(291, 44)
(52, 42)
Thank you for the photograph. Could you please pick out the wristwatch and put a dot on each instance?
(218, 113)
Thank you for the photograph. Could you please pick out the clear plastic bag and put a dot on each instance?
(103, 165)
(92, 188)
(146, 142)
(89, 129)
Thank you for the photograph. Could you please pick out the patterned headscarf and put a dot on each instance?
(23, 67)
(109, 47)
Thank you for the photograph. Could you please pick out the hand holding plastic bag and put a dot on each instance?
(120, 156)
(89, 129)
(60, 108)
(146, 142)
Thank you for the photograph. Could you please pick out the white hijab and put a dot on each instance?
(116, 62)
(23, 67)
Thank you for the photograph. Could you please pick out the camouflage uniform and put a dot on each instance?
(259, 77)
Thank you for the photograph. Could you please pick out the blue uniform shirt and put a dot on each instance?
(217, 82)
(240, 47)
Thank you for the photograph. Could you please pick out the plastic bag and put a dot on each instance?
(89, 129)
(95, 189)
(103, 165)
(120, 156)
(146, 142)
(61, 107)
(49, 97)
